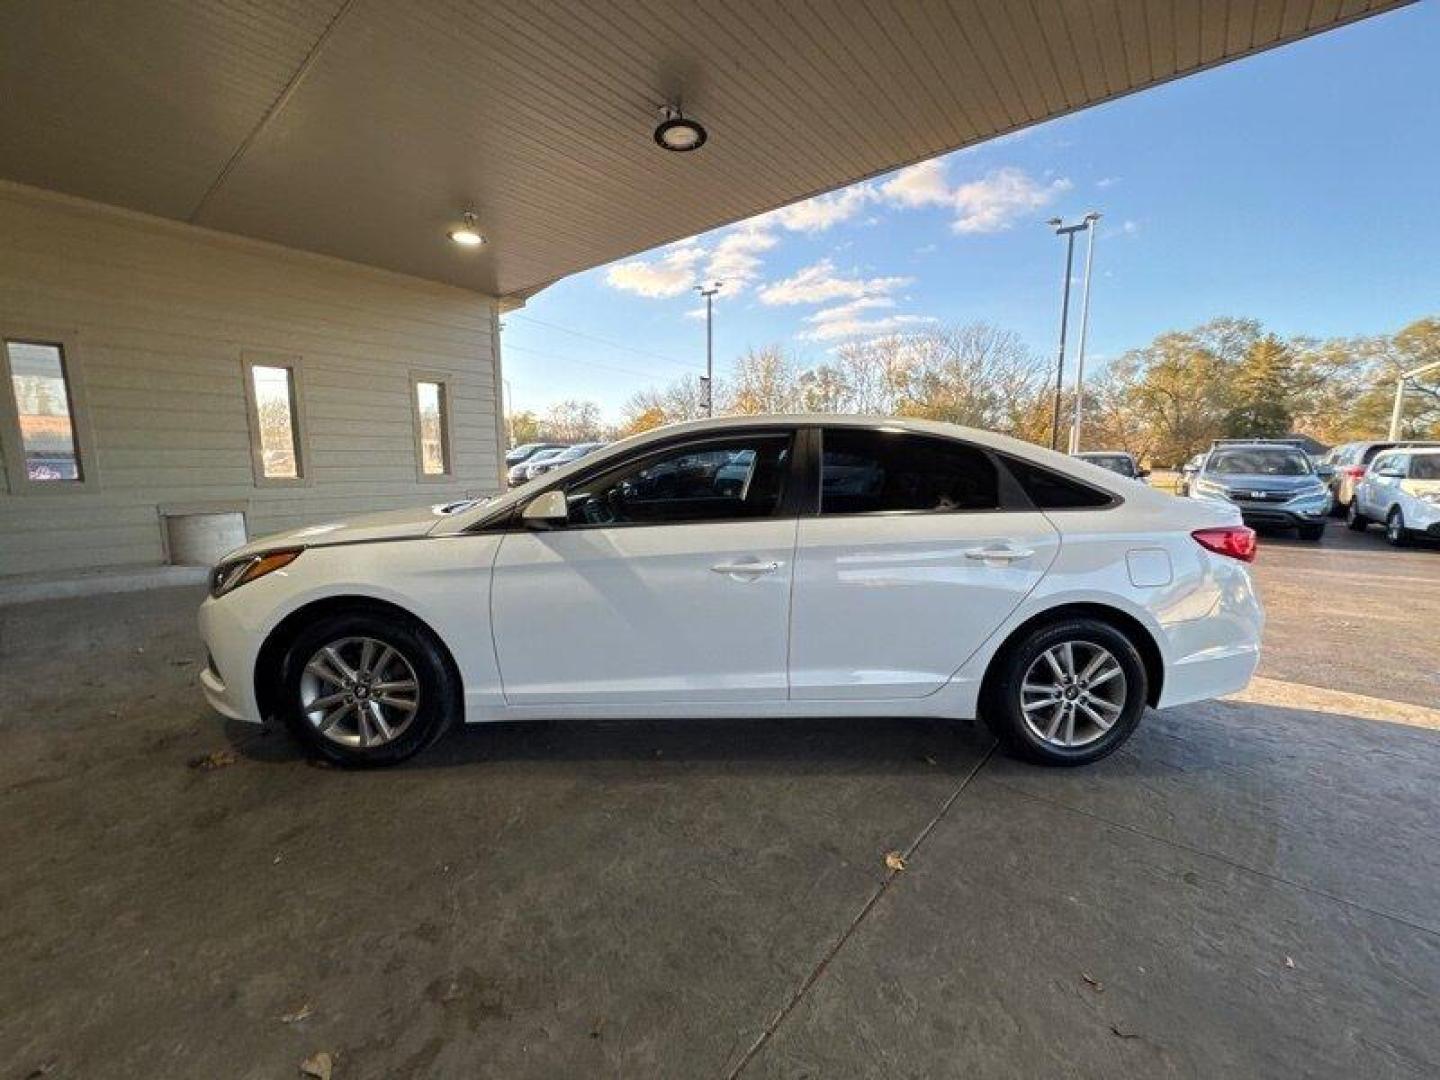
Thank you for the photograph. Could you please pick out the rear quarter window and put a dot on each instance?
(1049, 490)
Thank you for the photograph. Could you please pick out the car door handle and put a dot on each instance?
(746, 569)
(999, 554)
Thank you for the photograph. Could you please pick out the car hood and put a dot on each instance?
(385, 525)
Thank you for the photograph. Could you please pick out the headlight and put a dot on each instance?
(229, 576)
(1209, 487)
(1318, 496)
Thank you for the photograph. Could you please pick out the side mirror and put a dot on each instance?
(1394, 474)
(547, 511)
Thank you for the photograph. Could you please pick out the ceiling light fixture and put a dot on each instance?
(468, 235)
(676, 133)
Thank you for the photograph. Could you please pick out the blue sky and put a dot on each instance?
(1298, 187)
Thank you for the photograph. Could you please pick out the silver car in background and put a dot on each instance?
(520, 473)
(567, 455)
(1117, 461)
(1401, 490)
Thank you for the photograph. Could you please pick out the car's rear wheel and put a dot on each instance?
(1395, 531)
(365, 688)
(1311, 532)
(1068, 693)
(1354, 519)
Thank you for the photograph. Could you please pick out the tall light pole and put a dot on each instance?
(708, 292)
(1090, 219)
(1067, 231)
(1398, 409)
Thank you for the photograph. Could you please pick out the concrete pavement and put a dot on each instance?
(1246, 889)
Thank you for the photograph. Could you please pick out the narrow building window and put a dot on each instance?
(432, 427)
(275, 421)
(40, 388)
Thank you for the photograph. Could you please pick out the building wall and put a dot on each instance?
(158, 317)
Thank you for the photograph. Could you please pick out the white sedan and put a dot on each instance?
(857, 567)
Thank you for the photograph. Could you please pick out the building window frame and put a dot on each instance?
(249, 361)
(446, 382)
(12, 444)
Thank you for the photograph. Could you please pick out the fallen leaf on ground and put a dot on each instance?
(1289, 961)
(1094, 982)
(895, 861)
(302, 1013)
(40, 1070)
(319, 1065)
(1115, 1030)
(216, 759)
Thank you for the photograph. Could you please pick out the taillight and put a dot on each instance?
(1354, 472)
(1236, 541)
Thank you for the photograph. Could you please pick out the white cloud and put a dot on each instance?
(837, 328)
(820, 284)
(821, 212)
(1130, 228)
(849, 309)
(990, 204)
(918, 185)
(1107, 181)
(670, 274)
(996, 200)
(732, 258)
(735, 259)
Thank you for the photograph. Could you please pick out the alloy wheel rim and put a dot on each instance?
(1394, 526)
(1072, 694)
(359, 692)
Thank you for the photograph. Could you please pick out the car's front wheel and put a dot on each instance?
(1068, 693)
(366, 688)
(1395, 529)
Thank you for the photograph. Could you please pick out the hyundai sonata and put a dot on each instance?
(749, 567)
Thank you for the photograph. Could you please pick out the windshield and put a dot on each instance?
(1116, 463)
(1259, 461)
(1425, 467)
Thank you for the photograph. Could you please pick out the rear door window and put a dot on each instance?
(863, 471)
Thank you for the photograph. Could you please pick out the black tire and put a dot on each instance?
(1311, 532)
(438, 691)
(1356, 520)
(1396, 534)
(1005, 717)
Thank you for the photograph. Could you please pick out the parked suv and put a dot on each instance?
(1117, 461)
(1274, 484)
(1401, 489)
(1351, 460)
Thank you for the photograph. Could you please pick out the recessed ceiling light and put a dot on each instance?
(468, 235)
(676, 133)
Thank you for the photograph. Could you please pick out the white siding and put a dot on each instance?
(160, 315)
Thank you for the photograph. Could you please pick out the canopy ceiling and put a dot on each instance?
(362, 128)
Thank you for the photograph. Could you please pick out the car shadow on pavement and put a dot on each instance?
(891, 744)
